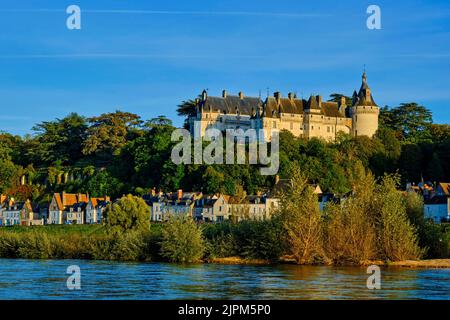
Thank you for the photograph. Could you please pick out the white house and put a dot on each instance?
(179, 203)
(95, 209)
(437, 208)
(19, 213)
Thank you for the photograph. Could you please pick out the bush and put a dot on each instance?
(182, 240)
(128, 213)
(302, 221)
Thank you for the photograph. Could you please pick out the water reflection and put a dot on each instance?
(112, 280)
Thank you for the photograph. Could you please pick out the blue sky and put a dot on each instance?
(147, 56)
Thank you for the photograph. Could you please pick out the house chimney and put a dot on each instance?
(180, 194)
(241, 95)
(224, 94)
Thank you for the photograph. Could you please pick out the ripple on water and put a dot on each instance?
(46, 279)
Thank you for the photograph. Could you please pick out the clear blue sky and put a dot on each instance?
(147, 56)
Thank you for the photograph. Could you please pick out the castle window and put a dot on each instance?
(292, 126)
(328, 129)
(312, 127)
(274, 124)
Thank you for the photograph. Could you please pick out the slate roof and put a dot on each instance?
(232, 105)
(364, 96)
(436, 200)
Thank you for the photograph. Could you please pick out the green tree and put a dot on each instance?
(186, 109)
(336, 97)
(109, 132)
(182, 240)
(411, 121)
(61, 140)
(126, 214)
(434, 171)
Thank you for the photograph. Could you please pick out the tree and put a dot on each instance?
(182, 240)
(411, 121)
(61, 140)
(187, 109)
(109, 132)
(127, 214)
(302, 220)
(440, 132)
(159, 121)
(336, 97)
(410, 163)
(434, 171)
(102, 183)
(8, 175)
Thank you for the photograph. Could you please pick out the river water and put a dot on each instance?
(47, 279)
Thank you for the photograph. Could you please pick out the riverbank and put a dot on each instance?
(429, 264)
(426, 264)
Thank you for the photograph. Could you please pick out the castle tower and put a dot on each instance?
(364, 111)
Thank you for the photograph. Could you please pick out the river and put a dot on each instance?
(46, 279)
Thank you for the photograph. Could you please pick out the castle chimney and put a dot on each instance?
(241, 95)
(291, 96)
(204, 95)
(277, 96)
(343, 102)
(224, 94)
(319, 101)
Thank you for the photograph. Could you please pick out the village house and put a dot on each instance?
(437, 206)
(253, 207)
(67, 208)
(212, 208)
(19, 213)
(95, 209)
(163, 205)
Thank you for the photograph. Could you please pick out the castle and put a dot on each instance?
(303, 118)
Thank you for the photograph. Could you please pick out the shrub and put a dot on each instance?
(302, 220)
(128, 213)
(182, 240)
